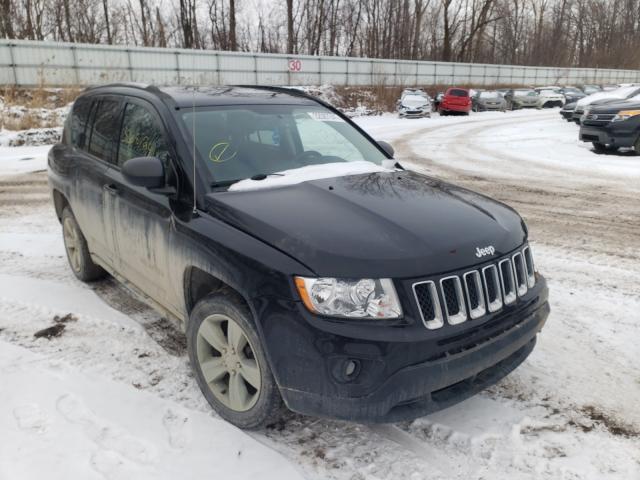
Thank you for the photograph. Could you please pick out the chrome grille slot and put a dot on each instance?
(528, 261)
(492, 288)
(507, 281)
(427, 297)
(453, 296)
(475, 296)
(520, 274)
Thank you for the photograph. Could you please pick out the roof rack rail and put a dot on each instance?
(288, 90)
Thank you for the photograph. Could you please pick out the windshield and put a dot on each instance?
(626, 92)
(571, 90)
(489, 95)
(414, 101)
(239, 142)
(524, 93)
(548, 91)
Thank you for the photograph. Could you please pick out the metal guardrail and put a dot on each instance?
(33, 63)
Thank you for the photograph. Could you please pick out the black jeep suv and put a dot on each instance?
(612, 125)
(304, 264)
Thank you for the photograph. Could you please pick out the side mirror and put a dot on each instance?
(144, 172)
(386, 147)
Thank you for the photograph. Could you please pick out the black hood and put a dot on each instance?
(614, 106)
(398, 225)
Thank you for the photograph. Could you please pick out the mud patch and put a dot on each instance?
(119, 297)
(613, 425)
(165, 334)
(50, 332)
(69, 317)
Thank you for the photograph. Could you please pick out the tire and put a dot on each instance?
(601, 147)
(257, 401)
(75, 244)
(636, 146)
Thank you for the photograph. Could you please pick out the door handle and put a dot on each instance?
(112, 189)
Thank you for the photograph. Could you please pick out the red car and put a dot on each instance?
(455, 100)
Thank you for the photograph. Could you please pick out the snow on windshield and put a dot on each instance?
(489, 95)
(414, 101)
(308, 173)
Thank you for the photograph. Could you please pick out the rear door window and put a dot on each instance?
(106, 125)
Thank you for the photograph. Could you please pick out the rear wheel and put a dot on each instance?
(230, 363)
(77, 250)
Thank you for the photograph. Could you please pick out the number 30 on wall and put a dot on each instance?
(295, 65)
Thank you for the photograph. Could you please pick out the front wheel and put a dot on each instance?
(230, 363)
(601, 147)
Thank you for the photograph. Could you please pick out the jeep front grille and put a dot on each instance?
(475, 293)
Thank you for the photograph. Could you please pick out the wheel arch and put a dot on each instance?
(199, 284)
(59, 202)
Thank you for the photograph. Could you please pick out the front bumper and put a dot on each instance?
(455, 108)
(415, 114)
(400, 380)
(619, 134)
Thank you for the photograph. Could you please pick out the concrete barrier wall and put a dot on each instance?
(32, 63)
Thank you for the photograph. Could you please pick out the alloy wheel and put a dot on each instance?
(72, 243)
(227, 362)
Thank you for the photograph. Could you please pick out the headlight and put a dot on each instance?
(625, 115)
(335, 297)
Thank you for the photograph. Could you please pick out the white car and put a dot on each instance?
(414, 104)
(550, 97)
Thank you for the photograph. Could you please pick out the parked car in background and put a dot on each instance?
(622, 93)
(567, 111)
(572, 94)
(455, 100)
(488, 100)
(414, 104)
(549, 97)
(522, 98)
(589, 89)
(305, 265)
(612, 125)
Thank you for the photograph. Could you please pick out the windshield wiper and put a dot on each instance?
(262, 176)
(257, 176)
(224, 183)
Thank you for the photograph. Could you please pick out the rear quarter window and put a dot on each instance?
(76, 127)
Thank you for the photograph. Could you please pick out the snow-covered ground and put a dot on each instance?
(113, 396)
